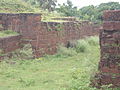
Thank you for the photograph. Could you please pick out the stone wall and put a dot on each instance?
(65, 19)
(109, 65)
(52, 34)
(9, 44)
(46, 36)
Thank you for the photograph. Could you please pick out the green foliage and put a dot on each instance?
(7, 33)
(47, 16)
(44, 4)
(59, 27)
(92, 13)
(47, 4)
(15, 6)
(63, 51)
(23, 53)
(106, 6)
(88, 13)
(93, 40)
(82, 46)
(1, 52)
(65, 70)
(32, 2)
(52, 72)
(26, 6)
(26, 82)
(68, 9)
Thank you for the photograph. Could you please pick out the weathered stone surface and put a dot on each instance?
(113, 15)
(109, 65)
(45, 36)
(8, 45)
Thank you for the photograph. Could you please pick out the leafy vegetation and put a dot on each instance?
(48, 9)
(15, 6)
(70, 69)
(92, 13)
(67, 70)
(47, 73)
(44, 4)
(47, 16)
(68, 9)
(26, 6)
(7, 33)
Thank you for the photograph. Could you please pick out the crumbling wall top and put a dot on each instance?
(111, 15)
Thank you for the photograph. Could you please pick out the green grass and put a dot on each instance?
(15, 6)
(19, 6)
(7, 33)
(47, 16)
(63, 71)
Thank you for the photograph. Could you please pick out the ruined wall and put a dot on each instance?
(109, 65)
(46, 36)
(22, 23)
(52, 34)
(9, 44)
(65, 18)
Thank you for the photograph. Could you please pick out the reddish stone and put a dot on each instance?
(111, 25)
(109, 65)
(111, 15)
(37, 33)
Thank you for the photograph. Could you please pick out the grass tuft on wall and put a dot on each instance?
(7, 33)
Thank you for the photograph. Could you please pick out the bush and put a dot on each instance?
(15, 6)
(66, 51)
(23, 53)
(82, 46)
(80, 80)
(93, 40)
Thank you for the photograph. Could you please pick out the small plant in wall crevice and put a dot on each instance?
(59, 27)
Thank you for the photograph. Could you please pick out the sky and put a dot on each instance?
(82, 3)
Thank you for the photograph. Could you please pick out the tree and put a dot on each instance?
(32, 2)
(47, 4)
(89, 12)
(106, 6)
(94, 13)
(68, 9)
(44, 4)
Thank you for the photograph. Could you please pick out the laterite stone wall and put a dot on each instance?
(9, 44)
(109, 65)
(65, 18)
(46, 36)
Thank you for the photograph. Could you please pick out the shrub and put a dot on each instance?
(23, 53)
(15, 6)
(93, 40)
(82, 46)
(66, 51)
(80, 80)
